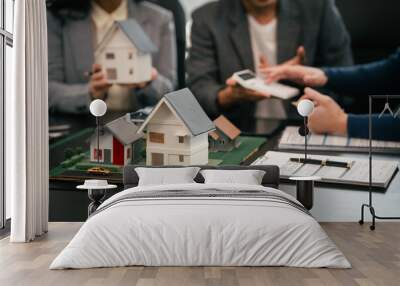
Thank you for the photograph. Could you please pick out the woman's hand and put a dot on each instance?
(328, 116)
(98, 85)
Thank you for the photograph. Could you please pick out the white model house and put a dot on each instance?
(125, 53)
(119, 142)
(177, 131)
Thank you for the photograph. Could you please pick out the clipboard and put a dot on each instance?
(356, 175)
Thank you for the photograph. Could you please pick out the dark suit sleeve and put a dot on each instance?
(202, 67)
(384, 128)
(334, 40)
(375, 78)
(70, 98)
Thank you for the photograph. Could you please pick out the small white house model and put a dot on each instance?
(177, 131)
(125, 53)
(117, 142)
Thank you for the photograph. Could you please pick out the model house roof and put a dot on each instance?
(124, 130)
(141, 114)
(134, 33)
(188, 109)
(225, 126)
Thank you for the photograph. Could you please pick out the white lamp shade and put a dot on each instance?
(305, 107)
(98, 107)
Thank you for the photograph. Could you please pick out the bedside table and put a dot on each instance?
(96, 192)
(305, 190)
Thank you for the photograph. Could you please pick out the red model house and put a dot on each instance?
(116, 144)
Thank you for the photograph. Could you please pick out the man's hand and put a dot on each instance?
(154, 75)
(98, 85)
(266, 70)
(300, 74)
(233, 93)
(298, 59)
(328, 116)
(263, 67)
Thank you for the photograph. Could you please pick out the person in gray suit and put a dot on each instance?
(74, 30)
(232, 35)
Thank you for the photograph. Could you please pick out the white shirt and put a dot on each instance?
(264, 43)
(119, 97)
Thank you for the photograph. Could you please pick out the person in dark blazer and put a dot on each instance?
(380, 77)
(74, 30)
(222, 43)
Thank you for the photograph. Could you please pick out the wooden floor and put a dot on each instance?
(375, 257)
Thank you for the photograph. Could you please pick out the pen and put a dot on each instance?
(323, 162)
(295, 103)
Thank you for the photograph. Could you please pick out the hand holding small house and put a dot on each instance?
(125, 53)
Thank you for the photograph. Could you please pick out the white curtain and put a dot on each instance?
(27, 124)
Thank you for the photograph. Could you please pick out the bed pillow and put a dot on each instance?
(166, 176)
(246, 177)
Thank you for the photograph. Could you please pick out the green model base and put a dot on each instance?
(80, 162)
(248, 145)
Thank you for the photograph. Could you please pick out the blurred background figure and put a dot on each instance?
(231, 35)
(74, 30)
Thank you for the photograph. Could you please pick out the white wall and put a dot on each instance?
(9, 70)
(9, 12)
(9, 26)
(191, 5)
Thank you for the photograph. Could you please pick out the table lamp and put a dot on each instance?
(98, 108)
(305, 185)
(305, 108)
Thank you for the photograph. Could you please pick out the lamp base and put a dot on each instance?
(305, 193)
(305, 190)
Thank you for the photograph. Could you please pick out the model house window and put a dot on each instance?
(112, 73)
(99, 153)
(130, 55)
(181, 139)
(110, 56)
(157, 159)
(128, 153)
(131, 71)
(156, 137)
(6, 64)
(181, 158)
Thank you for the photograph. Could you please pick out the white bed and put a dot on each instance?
(185, 230)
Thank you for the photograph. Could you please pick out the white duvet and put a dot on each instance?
(200, 231)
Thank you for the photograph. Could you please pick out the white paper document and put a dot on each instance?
(291, 140)
(358, 174)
